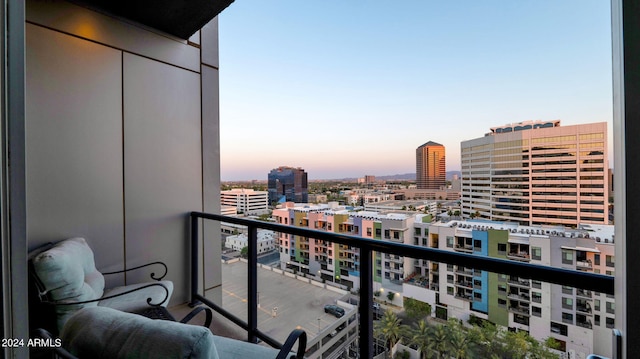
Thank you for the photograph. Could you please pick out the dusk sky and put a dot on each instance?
(345, 88)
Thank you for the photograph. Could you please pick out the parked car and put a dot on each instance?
(334, 309)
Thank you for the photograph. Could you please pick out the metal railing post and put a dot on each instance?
(366, 303)
(252, 300)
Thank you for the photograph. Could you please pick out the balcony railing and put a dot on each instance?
(584, 280)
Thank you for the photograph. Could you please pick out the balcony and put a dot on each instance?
(584, 264)
(519, 310)
(519, 282)
(467, 248)
(584, 293)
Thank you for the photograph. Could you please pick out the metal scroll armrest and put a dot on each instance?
(153, 274)
(149, 300)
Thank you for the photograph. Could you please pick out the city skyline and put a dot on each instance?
(366, 85)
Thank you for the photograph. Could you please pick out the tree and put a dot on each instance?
(437, 341)
(416, 308)
(244, 252)
(390, 328)
(390, 296)
(458, 339)
(419, 337)
(516, 344)
(553, 343)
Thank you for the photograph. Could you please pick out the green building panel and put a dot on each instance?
(497, 314)
(377, 228)
(297, 221)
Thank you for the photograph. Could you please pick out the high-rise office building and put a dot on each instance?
(537, 173)
(430, 166)
(289, 184)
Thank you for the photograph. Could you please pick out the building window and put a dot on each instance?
(449, 242)
(610, 322)
(417, 231)
(387, 234)
(450, 290)
(567, 256)
(329, 227)
(536, 284)
(558, 328)
(596, 259)
(611, 308)
(477, 245)
(502, 277)
(378, 232)
(477, 296)
(536, 311)
(596, 304)
(567, 318)
(567, 290)
(502, 303)
(450, 278)
(567, 303)
(502, 288)
(609, 261)
(369, 232)
(536, 297)
(502, 248)
(536, 253)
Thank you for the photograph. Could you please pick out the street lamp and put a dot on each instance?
(318, 325)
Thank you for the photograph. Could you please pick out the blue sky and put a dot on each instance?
(344, 88)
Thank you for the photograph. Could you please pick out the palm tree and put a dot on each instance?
(420, 337)
(437, 340)
(517, 344)
(458, 339)
(390, 328)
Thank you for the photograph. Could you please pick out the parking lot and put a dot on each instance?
(296, 303)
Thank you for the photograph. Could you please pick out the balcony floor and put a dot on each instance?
(219, 325)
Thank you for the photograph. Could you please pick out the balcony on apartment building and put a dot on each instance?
(189, 240)
(519, 252)
(464, 244)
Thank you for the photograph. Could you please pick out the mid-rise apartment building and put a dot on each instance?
(580, 320)
(537, 173)
(337, 263)
(246, 201)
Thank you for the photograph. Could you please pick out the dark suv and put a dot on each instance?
(334, 309)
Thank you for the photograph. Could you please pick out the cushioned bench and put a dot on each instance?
(99, 332)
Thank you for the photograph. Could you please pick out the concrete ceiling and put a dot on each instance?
(181, 18)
